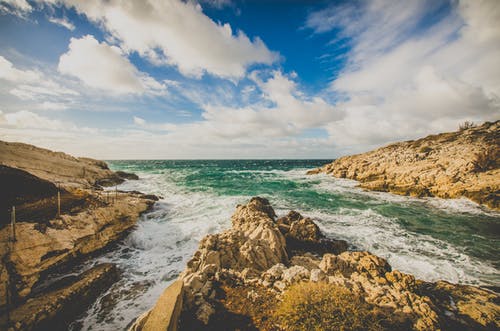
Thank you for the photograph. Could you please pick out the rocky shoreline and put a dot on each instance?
(46, 244)
(251, 276)
(458, 164)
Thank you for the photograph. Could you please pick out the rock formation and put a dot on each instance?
(236, 278)
(57, 167)
(448, 165)
(54, 310)
(45, 242)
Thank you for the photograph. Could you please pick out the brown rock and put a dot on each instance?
(448, 165)
(36, 252)
(56, 166)
(56, 309)
(166, 312)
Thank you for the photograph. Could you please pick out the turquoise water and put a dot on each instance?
(455, 240)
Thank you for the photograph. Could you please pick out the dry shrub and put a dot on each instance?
(487, 159)
(322, 306)
(466, 125)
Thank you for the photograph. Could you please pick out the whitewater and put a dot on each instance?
(453, 240)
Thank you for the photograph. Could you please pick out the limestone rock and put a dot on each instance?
(464, 307)
(251, 258)
(302, 234)
(58, 167)
(253, 245)
(448, 165)
(35, 252)
(166, 312)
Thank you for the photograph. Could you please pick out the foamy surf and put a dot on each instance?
(200, 196)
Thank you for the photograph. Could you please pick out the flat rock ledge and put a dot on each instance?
(56, 309)
(236, 277)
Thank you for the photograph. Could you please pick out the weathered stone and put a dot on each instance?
(251, 258)
(295, 274)
(448, 169)
(56, 309)
(317, 275)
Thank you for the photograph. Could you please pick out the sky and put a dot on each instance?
(210, 79)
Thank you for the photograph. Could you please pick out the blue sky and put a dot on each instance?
(243, 79)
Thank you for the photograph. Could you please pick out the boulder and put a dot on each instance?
(303, 235)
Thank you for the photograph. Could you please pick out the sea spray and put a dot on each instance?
(433, 239)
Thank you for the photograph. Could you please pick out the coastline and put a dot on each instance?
(237, 277)
(47, 242)
(462, 164)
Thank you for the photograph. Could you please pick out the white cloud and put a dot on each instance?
(19, 8)
(105, 67)
(35, 91)
(48, 105)
(283, 112)
(10, 73)
(64, 22)
(31, 84)
(176, 33)
(219, 4)
(404, 81)
(139, 121)
(28, 120)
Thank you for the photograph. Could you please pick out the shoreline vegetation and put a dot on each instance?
(257, 275)
(63, 217)
(457, 164)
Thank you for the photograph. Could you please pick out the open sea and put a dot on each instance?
(454, 240)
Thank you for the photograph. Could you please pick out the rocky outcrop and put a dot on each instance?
(38, 250)
(57, 167)
(56, 309)
(236, 279)
(165, 314)
(45, 242)
(448, 165)
(303, 235)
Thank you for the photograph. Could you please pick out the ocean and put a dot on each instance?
(454, 240)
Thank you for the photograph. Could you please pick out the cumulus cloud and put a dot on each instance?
(404, 79)
(282, 112)
(176, 33)
(10, 73)
(105, 67)
(31, 84)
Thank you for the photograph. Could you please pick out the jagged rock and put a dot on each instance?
(303, 235)
(36, 252)
(295, 274)
(127, 175)
(254, 244)
(224, 260)
(447, 165)
(274, 273)
(317, 275)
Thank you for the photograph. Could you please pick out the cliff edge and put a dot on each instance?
(62, 216)
(457, 164)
